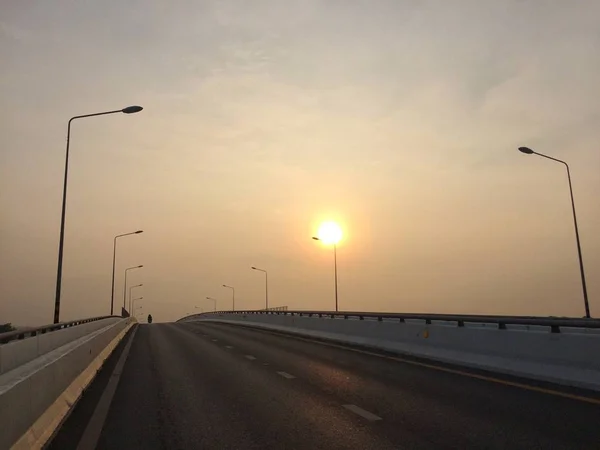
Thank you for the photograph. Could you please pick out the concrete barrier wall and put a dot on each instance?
(17, 353)
(28, 390)
(571, 357)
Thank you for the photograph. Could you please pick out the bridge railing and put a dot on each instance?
(554, 323)
(553, 349)
(44, 371)
(34, 331)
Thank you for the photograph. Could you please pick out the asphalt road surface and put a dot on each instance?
(215, 386)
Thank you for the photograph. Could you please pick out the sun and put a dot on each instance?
(329, 233)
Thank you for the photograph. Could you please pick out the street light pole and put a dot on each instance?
(214, 300)
(125, 284)
(112, 290)
(233, 293)
(128, 110)
(133, 302)
(266, 286)
(130, 289)
(335, 275)
(334, 271)
(529, 151)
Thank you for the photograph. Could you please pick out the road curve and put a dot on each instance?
(213, 386)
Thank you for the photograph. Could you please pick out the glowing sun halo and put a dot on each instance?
(329, 233)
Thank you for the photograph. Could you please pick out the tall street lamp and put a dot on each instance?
(112, 291)
(214, 300)
(130, 289)
(528, 151)
(125, 284)
(266, 286)
(233, 294)
(334, 269)
(127, 110)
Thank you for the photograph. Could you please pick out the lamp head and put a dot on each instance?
(526, 150)
(131, 109)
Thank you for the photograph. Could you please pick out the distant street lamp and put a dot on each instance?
(112, 290)
(334, 269)
(127, 110)
(233, 294)
(528, 151)
(214, 300)
(133, 301)
(130, 289)
(266, 286)
(125, 284)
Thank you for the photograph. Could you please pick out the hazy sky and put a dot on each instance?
(398, 119)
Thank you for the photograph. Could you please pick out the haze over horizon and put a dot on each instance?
(398, 120)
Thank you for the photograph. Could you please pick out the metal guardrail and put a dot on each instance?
(554, 323)
(34, 331)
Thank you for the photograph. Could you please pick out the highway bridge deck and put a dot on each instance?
(207, 385)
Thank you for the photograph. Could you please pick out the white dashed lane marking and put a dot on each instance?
(215, 340)
(228, 346)
(363, 413)
(250, 357)
(286, 375)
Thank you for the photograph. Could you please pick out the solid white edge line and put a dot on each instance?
(286, 375)
(92, 431)
(44, 429)
(363, 413)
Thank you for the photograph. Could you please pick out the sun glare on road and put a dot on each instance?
(329, 233)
